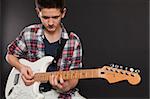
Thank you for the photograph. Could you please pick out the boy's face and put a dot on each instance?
(51, 18)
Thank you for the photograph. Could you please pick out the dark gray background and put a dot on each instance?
(0, 43)
(112, 31)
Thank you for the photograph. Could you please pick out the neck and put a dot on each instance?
(53, 36)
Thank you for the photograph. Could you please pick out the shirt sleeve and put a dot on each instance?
(18, 46)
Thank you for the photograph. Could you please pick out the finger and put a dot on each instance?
(27, 82)
(51, 80)
(59, 86)
(55, 80)
(29, 71)
(61, 82)
(58, 82)
(61, 79)
(27, 76)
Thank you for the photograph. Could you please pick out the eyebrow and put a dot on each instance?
(46, 17)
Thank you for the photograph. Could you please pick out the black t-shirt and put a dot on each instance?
(51, 50)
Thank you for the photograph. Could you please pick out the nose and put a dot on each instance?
(50, 21)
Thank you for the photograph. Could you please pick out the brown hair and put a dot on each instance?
(40, 4)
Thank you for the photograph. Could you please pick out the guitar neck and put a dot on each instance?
(72, 74)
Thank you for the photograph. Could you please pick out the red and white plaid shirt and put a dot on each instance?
(29, 45)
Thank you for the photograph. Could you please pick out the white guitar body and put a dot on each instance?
(15, 87)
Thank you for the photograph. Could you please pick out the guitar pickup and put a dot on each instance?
(16, 79)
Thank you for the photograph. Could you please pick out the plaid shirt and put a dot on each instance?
(29, 45)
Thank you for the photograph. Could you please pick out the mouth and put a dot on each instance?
(51, 28)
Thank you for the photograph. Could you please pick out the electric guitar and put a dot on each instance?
(16, 89)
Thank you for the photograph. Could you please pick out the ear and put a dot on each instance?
(64, 12)
(37, 11)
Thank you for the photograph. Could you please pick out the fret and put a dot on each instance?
(72, 74)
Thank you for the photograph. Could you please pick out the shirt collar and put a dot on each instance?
(64, 33)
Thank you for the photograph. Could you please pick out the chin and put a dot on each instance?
(51, 30)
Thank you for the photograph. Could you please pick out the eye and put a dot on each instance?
(45, 17)
(55, 17)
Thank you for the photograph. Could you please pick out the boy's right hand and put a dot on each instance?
(27, 75)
